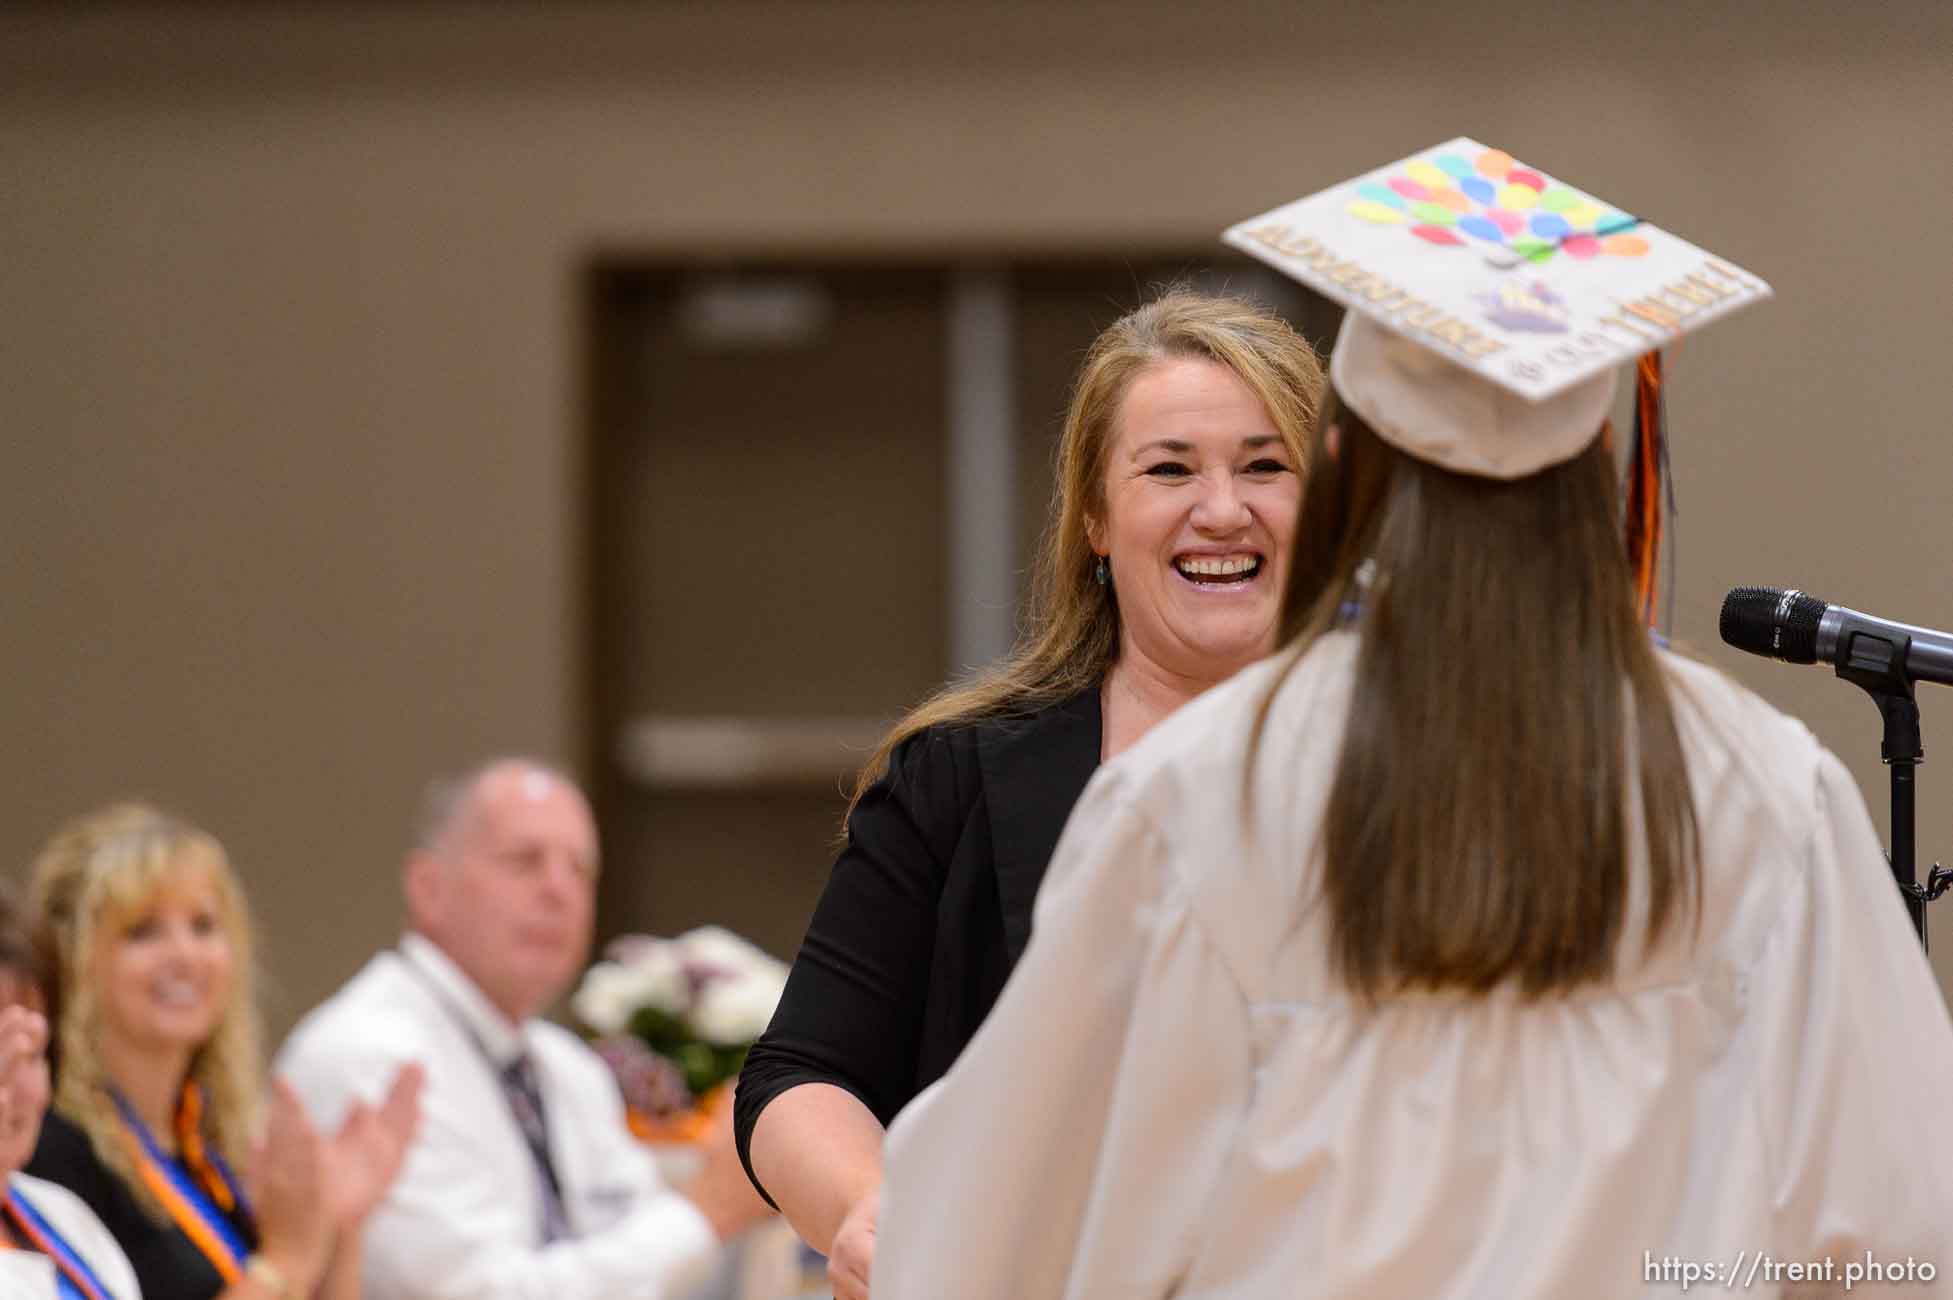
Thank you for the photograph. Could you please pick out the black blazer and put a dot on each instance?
(167, 1263)
(927, 910)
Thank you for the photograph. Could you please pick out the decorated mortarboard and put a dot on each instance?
(1489, 308)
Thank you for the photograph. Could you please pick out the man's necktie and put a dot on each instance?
(525, 1100)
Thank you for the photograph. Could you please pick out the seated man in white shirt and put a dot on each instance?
(523, 1180)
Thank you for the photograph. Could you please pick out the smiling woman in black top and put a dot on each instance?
(1160, 575)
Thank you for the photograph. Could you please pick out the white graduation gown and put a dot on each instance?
(1175, 1096)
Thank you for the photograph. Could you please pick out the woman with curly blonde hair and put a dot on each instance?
(159, 1076)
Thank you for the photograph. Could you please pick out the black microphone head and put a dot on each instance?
(1768, 621)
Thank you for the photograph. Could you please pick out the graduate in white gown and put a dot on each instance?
(1472, 946)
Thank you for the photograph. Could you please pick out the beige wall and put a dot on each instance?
(290, 369)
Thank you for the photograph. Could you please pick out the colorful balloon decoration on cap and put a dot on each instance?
(1508, 211)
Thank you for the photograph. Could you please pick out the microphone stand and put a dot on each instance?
(1877, 667)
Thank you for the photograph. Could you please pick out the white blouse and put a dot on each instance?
(1176, 1096)
(29, 1275)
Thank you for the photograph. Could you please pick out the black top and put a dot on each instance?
(926, 911)
(168, 1264)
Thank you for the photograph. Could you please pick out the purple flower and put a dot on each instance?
(651, 1084)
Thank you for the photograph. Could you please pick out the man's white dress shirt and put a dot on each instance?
(464, 1219)
(1176, 1094)
(29, 1275)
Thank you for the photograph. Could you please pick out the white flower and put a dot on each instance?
(658, 978)
(732, 1012)
(602, 1001)
(613, 991)
(722, 986)
(720, 951)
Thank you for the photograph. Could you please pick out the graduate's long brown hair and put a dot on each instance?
(1508, 717)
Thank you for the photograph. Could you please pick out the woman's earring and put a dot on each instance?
(1103, 572)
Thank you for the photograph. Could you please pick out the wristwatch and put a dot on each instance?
(269, 1276)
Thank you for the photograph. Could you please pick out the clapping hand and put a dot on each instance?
(360, 1162)
(23, 1084)
(289, 1168)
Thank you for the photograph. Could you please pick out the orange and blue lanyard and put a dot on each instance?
(74, 1279)
(197, 1192)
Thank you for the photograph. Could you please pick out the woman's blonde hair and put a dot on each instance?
(95, 873)
(1071, 635)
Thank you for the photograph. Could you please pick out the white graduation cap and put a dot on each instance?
(1490, 304)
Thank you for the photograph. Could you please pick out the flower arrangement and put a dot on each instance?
(673, 1019)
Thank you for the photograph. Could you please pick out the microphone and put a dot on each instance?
(1801, 629)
